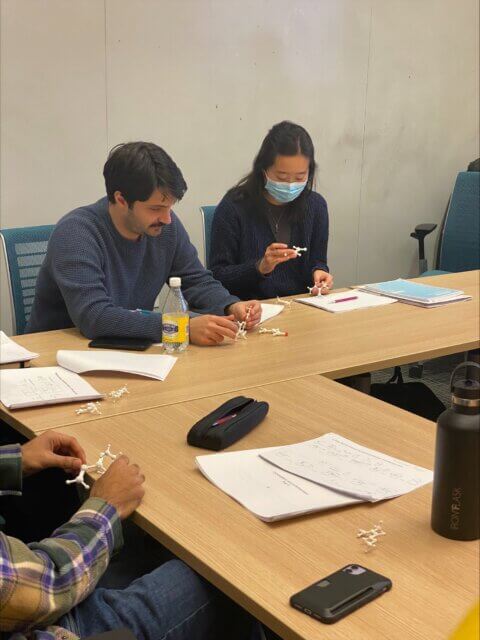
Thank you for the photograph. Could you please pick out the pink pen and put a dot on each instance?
(343, 299)
(224, 419)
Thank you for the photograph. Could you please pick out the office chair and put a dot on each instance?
(207, 218)
(24, 250)
(458, 245)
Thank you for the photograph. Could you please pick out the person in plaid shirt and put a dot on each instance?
(48, 588)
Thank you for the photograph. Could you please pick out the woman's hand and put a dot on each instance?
(275, 254)
(322, 282)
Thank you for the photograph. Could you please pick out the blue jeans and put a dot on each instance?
(170, 603)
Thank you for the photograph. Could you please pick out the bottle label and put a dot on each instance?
(175, 329)
(456, 509)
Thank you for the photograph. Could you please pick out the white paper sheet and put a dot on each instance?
(21, 388)
(150, 366)
(363, 301)
(267, 491)
(343, 465)
(10, 351)
(270, 311)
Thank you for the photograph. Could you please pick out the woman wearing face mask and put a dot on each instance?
(261, 219)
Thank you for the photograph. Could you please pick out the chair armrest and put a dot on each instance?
(422, 230)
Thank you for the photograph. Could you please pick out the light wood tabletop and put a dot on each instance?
(334, 345)
(260, 565)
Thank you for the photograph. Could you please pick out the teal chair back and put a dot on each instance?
(24, 251)
(207, 217)
(459, 248)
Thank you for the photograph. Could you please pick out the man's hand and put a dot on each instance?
(52, 449)
(275, 254)
(207, 330)
(121, 486)
(322, 282)
(240, 309)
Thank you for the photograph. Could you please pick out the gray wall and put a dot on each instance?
(388, 90)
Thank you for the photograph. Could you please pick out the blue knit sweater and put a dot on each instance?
(92, 277)
(240, 236)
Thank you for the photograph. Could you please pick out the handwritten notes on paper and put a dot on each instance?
(328, 472)
(340, 464)
(267, 491)
(20, 388)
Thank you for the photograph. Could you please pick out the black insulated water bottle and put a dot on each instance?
(456, 480)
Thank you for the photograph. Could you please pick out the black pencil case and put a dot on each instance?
(228, 423)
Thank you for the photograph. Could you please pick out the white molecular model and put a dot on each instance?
(90, 407)
(274, 332)
(318, 288)
(94, 407)
(242, 326)
(299, 250)
(287, 303)
(371, 536)
(118, 393)
(98, 467)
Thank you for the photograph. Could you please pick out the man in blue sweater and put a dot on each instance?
(110, 258)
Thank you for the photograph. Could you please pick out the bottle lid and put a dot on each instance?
(466, 391)
(175, 282)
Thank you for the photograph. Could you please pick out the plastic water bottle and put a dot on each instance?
(456, 480)
(175, 319)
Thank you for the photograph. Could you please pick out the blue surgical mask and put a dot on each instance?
(284, 191)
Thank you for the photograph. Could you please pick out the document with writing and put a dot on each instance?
(150, 366)
(20, 388)
(267, 491)
(342, 465)
(10, 351)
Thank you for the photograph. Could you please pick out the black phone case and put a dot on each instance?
(249, 413)
(340, 593)
(133, 344)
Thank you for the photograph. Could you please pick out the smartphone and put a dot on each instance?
(340, 593)
(134, 344)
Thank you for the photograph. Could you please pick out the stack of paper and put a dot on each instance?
(345, 301)
(21, 388)
(150, 366)
(10, 351)
(343, 465)
(330, 471)
(422, 295)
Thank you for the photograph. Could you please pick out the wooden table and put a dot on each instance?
(334, 345)
(260, 565)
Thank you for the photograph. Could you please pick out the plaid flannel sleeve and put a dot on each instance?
(42, 581)
(10, 470)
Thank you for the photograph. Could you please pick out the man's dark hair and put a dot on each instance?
(284, 139)
(136, 169)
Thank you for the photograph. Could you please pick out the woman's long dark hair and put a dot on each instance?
(284, 139)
